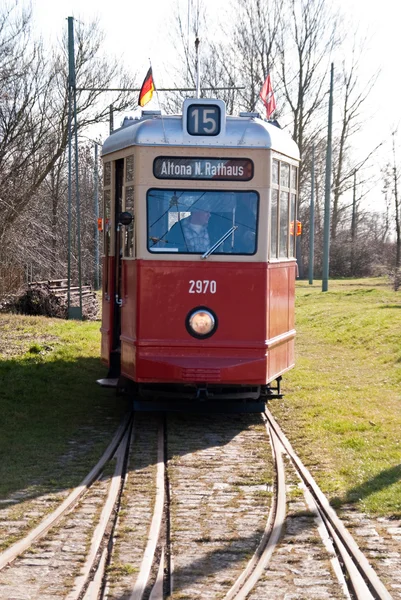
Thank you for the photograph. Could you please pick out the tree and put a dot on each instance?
(34, 105)
(237, 57)
(305, 45)
(250, 49)
(352, 95)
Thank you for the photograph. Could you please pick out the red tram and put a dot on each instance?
(198, 268)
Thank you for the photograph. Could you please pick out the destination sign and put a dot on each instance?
(221, 169)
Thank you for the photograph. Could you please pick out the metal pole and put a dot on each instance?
(73, 312)
(78, 203)
(111, 119)
(197, 41)
(326, 235)
(353, 226)
(312, 219)
(71, 77)
(96, 200)
(197, 68)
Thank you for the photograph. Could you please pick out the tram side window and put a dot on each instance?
(107, 174)
(293, 199)
(129, 248)
(275, 171)
(273, 224)
(283, 209)
(283, 224)
(193, 221)
(284, 175)
(129, 169)
(293, 177)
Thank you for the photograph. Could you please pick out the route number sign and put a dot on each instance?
(203, 119)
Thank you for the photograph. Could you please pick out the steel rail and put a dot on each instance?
(11, 553)
(364, 580)
(327, 541)
(272, 533)
(94, 587)
(100, 530)
(157, 590)
(155, 527)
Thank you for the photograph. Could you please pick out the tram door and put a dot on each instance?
(118, 250)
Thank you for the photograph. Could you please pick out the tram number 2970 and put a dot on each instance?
(201, 286)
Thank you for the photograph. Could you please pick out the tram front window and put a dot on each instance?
(190, 221)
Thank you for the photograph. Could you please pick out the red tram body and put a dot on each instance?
(199, 268)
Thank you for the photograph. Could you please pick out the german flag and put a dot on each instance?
(147, 89)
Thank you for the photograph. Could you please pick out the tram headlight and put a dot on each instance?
(201, 323)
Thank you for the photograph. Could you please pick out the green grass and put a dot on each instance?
(341, 410)
(55, 420)
(343, 399)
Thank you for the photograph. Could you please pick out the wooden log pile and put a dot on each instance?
(50, 298)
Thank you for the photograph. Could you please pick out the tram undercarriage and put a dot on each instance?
(199, 397)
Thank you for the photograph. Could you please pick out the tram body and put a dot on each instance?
(187, 324)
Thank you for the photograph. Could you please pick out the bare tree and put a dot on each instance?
(238, 56)
(185, 35)
(307, 39)
(249, 50)
(353, 95)
(34, 105)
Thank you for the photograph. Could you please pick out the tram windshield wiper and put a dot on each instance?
(219, 242)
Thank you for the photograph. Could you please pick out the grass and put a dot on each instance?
(343, 399)
(55, 420)
(341, 408)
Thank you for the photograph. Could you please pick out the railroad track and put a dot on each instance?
(25, 550)
(355, 575)
(180, 514)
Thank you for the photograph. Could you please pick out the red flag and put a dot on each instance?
(147, 89)
(266, 93)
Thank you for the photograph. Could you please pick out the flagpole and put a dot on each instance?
(158, 101)
(197, 42)
(197, 68)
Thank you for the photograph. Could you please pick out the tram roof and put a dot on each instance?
(154, 129)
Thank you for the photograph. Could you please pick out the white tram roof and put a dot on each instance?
(245, 131)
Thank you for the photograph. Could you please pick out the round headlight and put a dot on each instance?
(201, 323)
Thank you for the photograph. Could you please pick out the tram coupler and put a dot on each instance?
(202, 394)
(270, 391)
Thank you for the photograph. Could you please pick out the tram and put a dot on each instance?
(199, 261)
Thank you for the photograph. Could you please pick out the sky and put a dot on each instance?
(138, 31)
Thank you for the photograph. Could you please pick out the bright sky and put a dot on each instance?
(139, 31)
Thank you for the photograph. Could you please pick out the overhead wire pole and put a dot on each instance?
(312, 219)
(111, 117)
(73, 311)
(327, 208)
(96, 202)
(78, 203)
(70, 84)
(353, 225)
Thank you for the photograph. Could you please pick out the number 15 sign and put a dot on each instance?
(204, 117)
